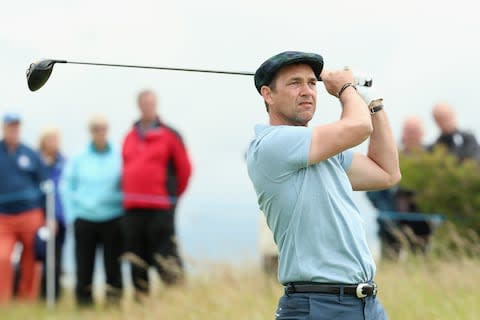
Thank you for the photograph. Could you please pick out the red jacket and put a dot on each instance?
(156, 168)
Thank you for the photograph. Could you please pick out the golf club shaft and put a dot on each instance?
(158, 68)
(364, 82)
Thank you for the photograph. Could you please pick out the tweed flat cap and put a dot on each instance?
(266, 72)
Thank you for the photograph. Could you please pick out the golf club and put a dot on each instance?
(39, 73)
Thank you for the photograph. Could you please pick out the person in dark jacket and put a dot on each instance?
(156, 171)
(460, 143)
(21, 215)
(49, 148)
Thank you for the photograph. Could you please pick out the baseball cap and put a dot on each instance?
(11, 117)
(266, 72)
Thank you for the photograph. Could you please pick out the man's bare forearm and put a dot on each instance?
(355, 109)
(382, 148)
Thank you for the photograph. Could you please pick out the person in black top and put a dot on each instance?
(460, 143)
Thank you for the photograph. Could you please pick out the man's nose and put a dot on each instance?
(307, 90)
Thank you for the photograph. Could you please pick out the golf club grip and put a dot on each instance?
(360, 81)
(364, 82)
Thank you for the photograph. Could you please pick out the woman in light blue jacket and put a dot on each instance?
(90, 189)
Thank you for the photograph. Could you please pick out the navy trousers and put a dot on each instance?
(319, 306)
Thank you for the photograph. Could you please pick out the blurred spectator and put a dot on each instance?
(402, 200)
(21, 213)
(90, 188)
(49, 148)
(156, 170)
(412, 142)
(460, 143)
(412, 135)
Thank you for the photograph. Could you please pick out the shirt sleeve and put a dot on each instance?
(183, 166)
(346, 158)
(284, 150)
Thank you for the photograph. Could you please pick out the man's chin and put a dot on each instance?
(302, 122)
(304, 118)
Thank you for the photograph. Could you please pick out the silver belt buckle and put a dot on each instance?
(360, 287)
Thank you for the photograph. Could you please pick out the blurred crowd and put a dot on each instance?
(410, 224)
(401, 226)
(120, 199)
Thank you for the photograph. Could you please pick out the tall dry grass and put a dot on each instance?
(431, 289)
(427, 289)
(443, 285)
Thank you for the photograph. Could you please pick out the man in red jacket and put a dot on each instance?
(156, 170)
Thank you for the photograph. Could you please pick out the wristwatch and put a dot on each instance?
(375, 106)
(376, 109)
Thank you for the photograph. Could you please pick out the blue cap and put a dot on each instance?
(11, 117)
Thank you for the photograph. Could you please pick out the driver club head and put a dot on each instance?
(38, 73)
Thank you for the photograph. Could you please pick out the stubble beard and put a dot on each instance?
(302, 118)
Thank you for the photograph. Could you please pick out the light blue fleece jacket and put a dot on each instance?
(90, 186)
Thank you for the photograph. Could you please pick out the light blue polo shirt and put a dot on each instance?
(316, 225)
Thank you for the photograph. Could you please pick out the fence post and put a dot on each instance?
(49, 189)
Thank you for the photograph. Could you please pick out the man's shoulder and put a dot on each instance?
(262, 133)
(262, 129)
(467, 134)
(29, 151)
(133, 131)
(279, 149)
(26, 148)
(173, 131)
(282, 132)
(132, 137)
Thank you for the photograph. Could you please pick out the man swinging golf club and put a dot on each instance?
(304, 178)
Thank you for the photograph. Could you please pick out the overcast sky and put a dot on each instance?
(418, 52)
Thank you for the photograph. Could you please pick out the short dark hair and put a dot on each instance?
(273, 86)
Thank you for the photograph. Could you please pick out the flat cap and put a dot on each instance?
(266, 72)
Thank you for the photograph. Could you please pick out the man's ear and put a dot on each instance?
(266, 93)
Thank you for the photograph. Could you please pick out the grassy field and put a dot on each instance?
(416, 289)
